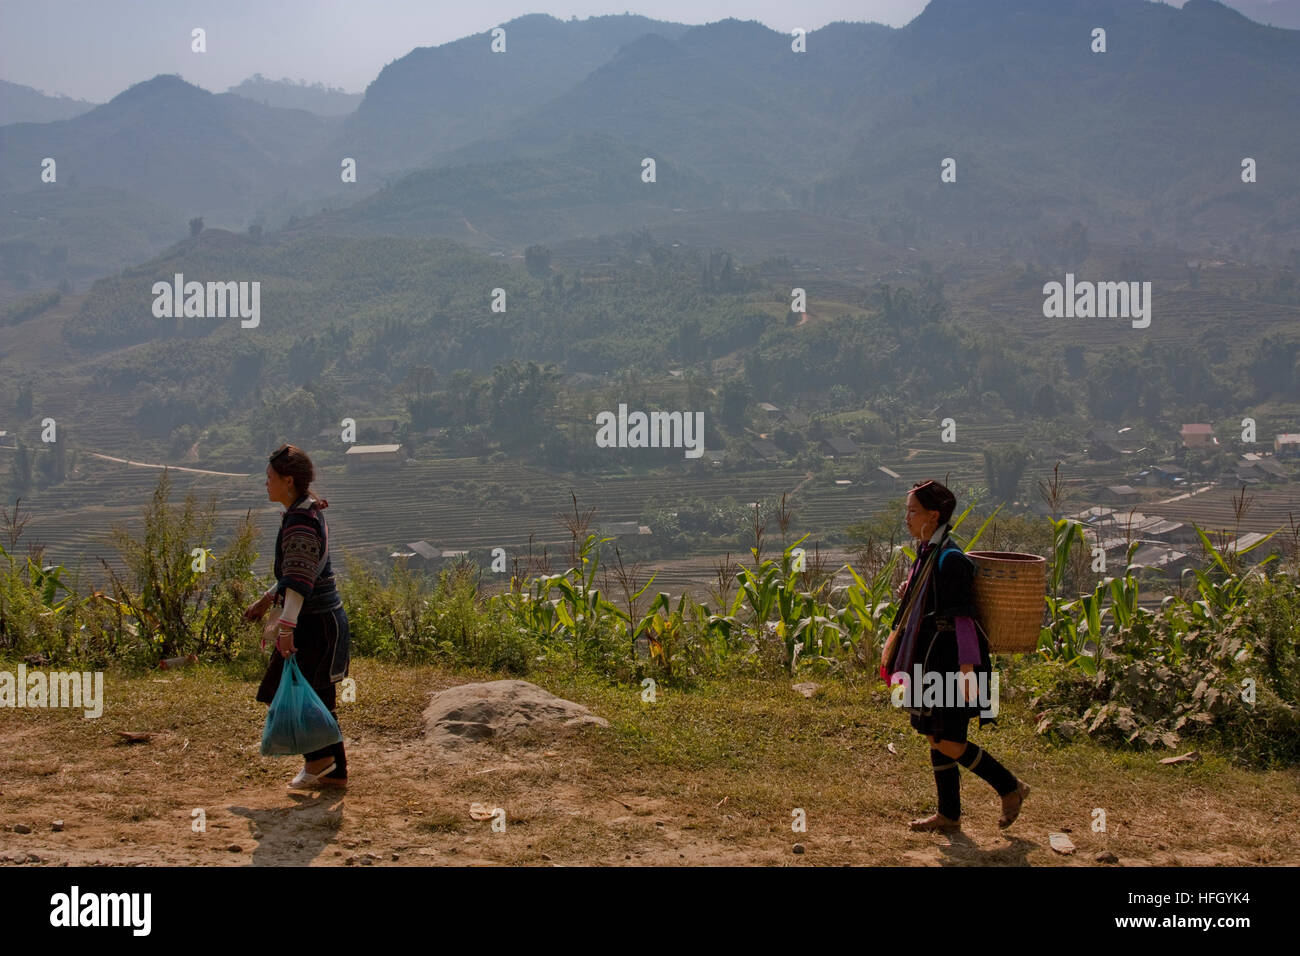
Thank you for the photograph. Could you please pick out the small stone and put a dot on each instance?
(395, 856)
(807, 688)
(366, 861)
(22, 828)
(57, 826)
(798, 848)
(338, 852)
(1061, 843)
(33, 858)
(235, 848)
(627, 856)
(349, 861)
(546, 856)
(1107, 857)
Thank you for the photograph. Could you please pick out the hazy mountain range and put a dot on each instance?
(546, 140)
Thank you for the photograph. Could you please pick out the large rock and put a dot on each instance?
(499, 708)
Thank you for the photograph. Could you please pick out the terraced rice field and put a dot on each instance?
(1270, 509)
(453, 504)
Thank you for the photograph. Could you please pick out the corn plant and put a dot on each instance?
(780, 608)
(865, 606)
(30, 590)
(1225, 591)
(1062, 630)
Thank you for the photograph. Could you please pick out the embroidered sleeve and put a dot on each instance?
(300, 554)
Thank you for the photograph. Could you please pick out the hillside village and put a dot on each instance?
(1131, 492)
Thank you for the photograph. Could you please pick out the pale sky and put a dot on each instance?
(94, 49)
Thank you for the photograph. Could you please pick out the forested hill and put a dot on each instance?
(405, 328)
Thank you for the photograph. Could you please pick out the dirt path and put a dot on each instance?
(808, 476)
(691, 780)
(144, 464)
(1189, 494)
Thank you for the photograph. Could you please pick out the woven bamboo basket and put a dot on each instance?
(1010, 588)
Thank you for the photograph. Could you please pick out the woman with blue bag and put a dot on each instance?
(313, 625)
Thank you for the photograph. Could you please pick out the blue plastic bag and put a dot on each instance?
(297, 722)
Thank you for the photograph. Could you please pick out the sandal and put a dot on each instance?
(1011, 811)
(305, 779)
(936, 821)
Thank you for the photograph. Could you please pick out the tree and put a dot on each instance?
(537, 259)
(196, 225)
(735, 402)
(22, 467)
(1045, 401)
(1074, 245)
(1074, 363)
(688, 339)
(520, 398)
(892, 412)
(1004, 466)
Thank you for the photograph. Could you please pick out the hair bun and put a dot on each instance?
(322, 503)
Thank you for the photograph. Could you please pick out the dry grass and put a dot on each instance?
(707, 777)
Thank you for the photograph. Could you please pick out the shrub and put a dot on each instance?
(179, 602)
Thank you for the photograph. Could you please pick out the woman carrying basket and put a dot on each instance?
(313, 623)
(934, 630)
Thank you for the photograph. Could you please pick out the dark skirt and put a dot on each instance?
(938, 650)
(323, 655)
(943, 724)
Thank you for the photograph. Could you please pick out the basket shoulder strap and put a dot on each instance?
(946, 551)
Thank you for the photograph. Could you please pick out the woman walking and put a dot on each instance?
(934, 632)
(313, 623)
